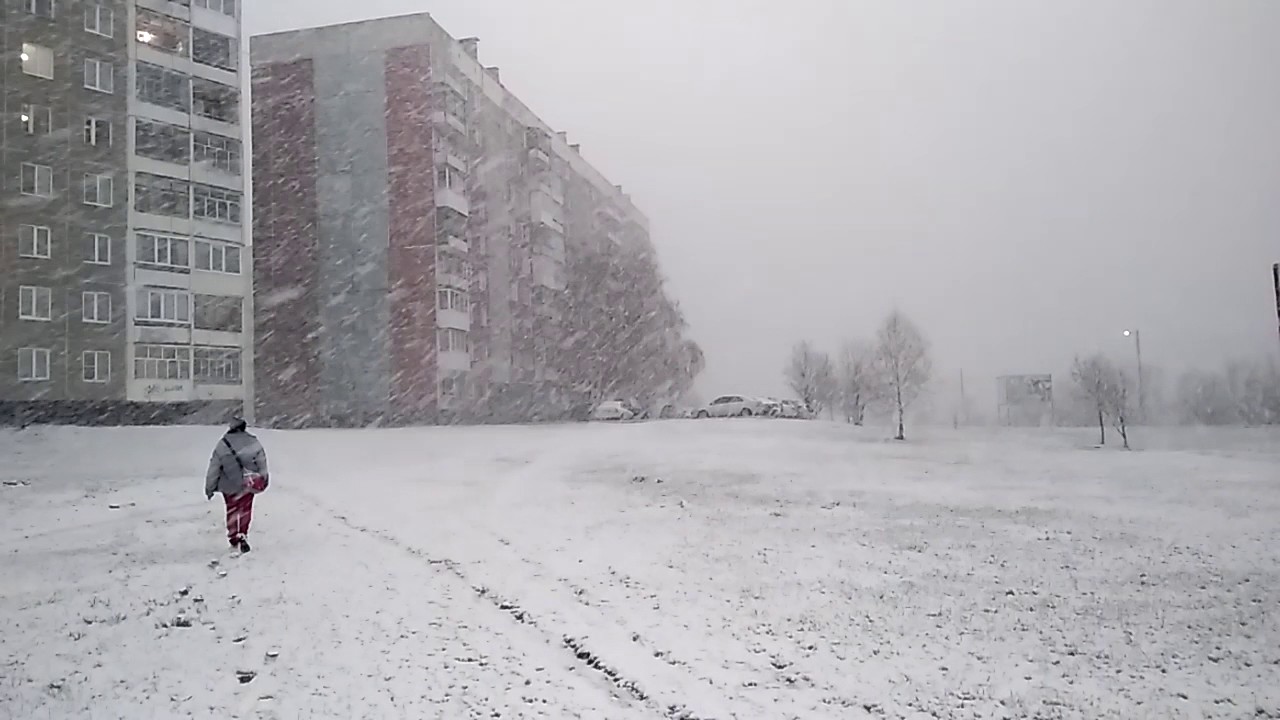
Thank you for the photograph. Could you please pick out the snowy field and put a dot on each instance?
(716, 569)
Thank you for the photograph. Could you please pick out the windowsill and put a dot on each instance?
(35, 319)
(33, 380)
(177, 269)
(144, 322)
(35, 257)
(97, 322)
(98, 205)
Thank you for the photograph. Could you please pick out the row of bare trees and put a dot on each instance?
(1108, 390)
(889, 373)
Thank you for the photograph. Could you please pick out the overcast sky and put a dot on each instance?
(1024, 179)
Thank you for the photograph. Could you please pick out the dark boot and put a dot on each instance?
(244, 545)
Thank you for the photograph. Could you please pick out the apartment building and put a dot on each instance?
(124, 269)
(412, 223)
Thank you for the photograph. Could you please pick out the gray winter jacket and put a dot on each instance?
(224, 474)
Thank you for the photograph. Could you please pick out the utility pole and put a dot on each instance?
(964, 403)
(1137, 346)
(1275, 279)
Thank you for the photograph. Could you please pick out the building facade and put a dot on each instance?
(125, 273)
(412, 224)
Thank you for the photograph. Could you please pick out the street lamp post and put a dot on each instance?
(1137, 346)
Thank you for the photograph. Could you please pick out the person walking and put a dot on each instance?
(238, 470)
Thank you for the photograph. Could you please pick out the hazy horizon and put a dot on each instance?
(1023, 180)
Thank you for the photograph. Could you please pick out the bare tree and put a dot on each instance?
(858, 384)
(902, 363)
(1090, 377)
(1107, 388)
(811, 375)
(1118, 397)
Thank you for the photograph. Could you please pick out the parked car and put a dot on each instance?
(733, 406)
(772, 407)
(792, 409)
(613, 410)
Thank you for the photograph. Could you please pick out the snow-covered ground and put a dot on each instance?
(715, 569)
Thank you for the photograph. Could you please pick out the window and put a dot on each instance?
(162, 32)
(97, 249)
(36, 119)
(216, 204)
(218, 312)
(43, 8)
(450, 177)
(36, 180)
(161, 195)
(217, 366)
(161, 141)
(37, 60)
(161, 362)
(163, 250)
(163, 87)
(34, 241)
(164, 305)
(33, 364)
(450, 299)
(99, 20)
(453, 266)
(215, 101)
(210, 48)
(451, 340)
(97, 366)
(98, 190)
(35, 303)
(217, 257)
(97, 132)
(99, 75)
(226, 7)
(95, 307)
(221, 152)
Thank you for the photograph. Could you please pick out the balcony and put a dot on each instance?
(447, 197)
(539, 158)
(454, 360)
(456, 243)
(442, 118)
(451, 82)
(449, 156)
(456, 319)
(611, 215)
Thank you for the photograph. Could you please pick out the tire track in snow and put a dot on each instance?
(576, 647)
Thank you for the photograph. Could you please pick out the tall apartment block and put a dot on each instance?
(412, 222)
(124, 269)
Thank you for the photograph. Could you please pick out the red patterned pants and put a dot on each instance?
(239, 515)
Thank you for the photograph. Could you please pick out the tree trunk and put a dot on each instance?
(1102, 427)
(902, 435)
(1124, 432)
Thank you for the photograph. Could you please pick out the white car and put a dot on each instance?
(612, 410)
(733, 406)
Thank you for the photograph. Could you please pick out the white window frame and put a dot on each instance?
(221, 201)
(445, 338)
(173, 302)
(30, 114)
(31, 298)
(163, 249)
(100, 242)
(100, 20)
(99, 182)
(37, 60)
(35, 358)
(33, 7)
(93, 131)
(449, 298)
(219, 366)
(219, 6)
(40, 171)
(95, 307)
(216, 255)
(98, 66)
(30, 239)
(175, 359)
(101, 364)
